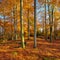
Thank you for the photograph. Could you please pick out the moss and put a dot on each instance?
(46, 58)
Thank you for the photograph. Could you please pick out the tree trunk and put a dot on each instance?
(55, 30)
(45, 23)
(51, 25)
(4, 36)
(49, 17)
(4, 28)
(28, 25)
(21, 23)
(35, 44)
(14, 10)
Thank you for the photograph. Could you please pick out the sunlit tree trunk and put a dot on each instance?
(28, 24)
(21, 23)
(35, 43)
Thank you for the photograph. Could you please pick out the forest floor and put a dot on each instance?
(11, 50)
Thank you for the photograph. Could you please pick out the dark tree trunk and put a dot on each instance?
(45, 23)
(35, 43)
(28, 25)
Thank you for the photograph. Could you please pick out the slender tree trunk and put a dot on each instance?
(35, 43)
(21, 22)
(54, 30)
(11, 29)
(51, 25)
(43, 26)
(14, 23)
(4, 28)
(28, 25)
(50, 32)
(4, 36)
(50, 19)
(49, 16)
(45, 23)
